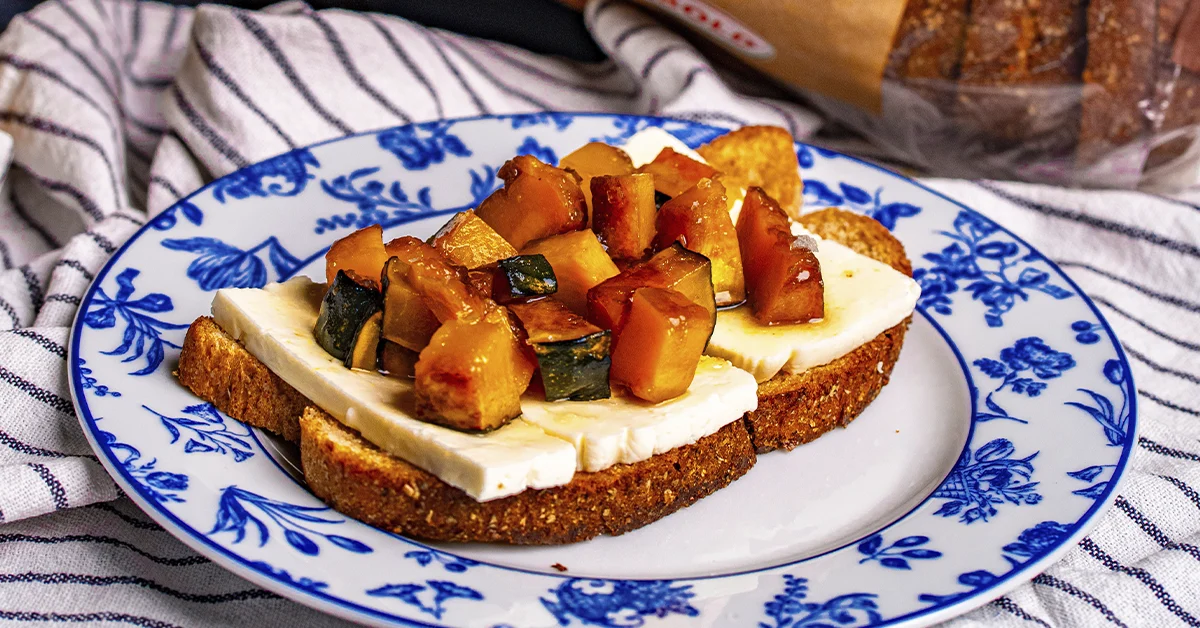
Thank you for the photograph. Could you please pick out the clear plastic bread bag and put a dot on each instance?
(1099, 93)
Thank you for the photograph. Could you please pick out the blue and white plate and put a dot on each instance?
(998, 443)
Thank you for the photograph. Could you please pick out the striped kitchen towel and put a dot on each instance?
(118, 108)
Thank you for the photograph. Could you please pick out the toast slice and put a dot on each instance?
(361, 481)
(796, 408)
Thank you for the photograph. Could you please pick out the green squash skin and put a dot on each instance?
(526, 276)
(343, 310)
(576, 369)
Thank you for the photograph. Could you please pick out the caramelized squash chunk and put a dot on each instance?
(579, 264)
(699, 220)
(623, 213)
(783, 277)
(675, 268)
(347, 304)
(467, 241)
(662, 337)
(675, 172)
(472, 374)
(572, 354)
(595, 159)
(396, 361)
(407, 321)
(537, 201)
(523, 277)
(360, 252)
(440, 285)
(763, 156)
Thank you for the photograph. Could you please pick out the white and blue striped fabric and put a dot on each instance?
(116, 108)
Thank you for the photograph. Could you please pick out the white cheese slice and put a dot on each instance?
(610, 431)
(863, 298)
(643, 146)
(543, 448)
(275, 325)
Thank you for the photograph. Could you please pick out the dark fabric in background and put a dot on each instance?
(542, 26)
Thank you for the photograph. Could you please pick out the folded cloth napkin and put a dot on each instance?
(118, 108)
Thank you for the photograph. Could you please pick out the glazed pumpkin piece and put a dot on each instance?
(699, 220)
(579, 262)
(407, 321)
(347, 304)
(675, 268)
(686, 272)
(572, 354)
(361, 252)
(441, 286)
(523, 277)
(763, 156)
(675, 172)
(472, 374)
(659, 345)
(396, 361)
(783, 276)
(537, 201)
(467, 241)
(595, 159)
(623, 213)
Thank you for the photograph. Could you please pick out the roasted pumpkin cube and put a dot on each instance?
(675, 172)
(659, 345)
(472, 374)
(347, 304)
(361, 252)
(623, 213)
(675, 268)
(523, 277)
(687, 272)
(537, 201)
(699, 220)
(594, 159)
(397, 361)
(572, 354)
(441, 286)
(467, 241)
(783, 276)
(763, 156)
(407, 321)
(579, 263)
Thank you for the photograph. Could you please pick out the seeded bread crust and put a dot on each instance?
(794, 409)
(361, 481)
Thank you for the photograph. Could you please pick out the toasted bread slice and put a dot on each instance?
(359, 480)
(365, 483)
(794, 409)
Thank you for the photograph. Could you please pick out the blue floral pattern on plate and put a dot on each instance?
(143, 333)
(1031, 352)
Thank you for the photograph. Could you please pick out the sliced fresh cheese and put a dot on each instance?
(643, 146)
(275, 325)
(610, 431)
(542, 449)
(863, 298)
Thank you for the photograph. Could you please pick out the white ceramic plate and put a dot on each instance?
(1007, 423)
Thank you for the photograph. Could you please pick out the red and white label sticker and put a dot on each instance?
(719, 25)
